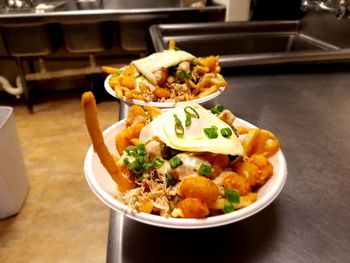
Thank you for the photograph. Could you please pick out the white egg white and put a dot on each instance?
(194, 139)
(148, 65)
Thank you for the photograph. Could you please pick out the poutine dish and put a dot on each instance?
(172, 75)
(186, 162)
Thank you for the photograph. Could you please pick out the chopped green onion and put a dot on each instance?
(140, 179)
(176, 48)
(167, 152)
(232, 195)
(204, 169)
(135, 167)
(169, 179)
(191, 111)
(149, 118)
(195, 61)
(188, 120)
(228, 208)
(141, 149)
(226, 132)
(217, 109)
(211, 132)
(148, 166)
(179, 129)
(157, 162)
(175, 162)
(174, 202)
(135, 151)
(138, 75)
(126, 161)
(131, 150)
(185, 75)
(141, 160)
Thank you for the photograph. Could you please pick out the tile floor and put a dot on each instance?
(61, 220)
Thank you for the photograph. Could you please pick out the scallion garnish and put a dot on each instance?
(131, 150)
(141, 149)
(135, 167)
(204, 169)
(226, 132)
(179, 129)
(191, 111)
(228, 208)
(157, 163)
(148, 166)
(141, 160)
(217, 108)
(232, 195)
(188, 120)
(169, 179)
(126, 161)
(138, 75)
(135, 151)
(140, 179)
(184, 74)
(175, 162)
(211, 132)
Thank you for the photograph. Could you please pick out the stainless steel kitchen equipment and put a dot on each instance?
(89, 28)
(251, 43)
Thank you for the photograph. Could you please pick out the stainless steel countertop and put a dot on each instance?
(310, 220)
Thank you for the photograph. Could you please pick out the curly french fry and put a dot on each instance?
(90, 113)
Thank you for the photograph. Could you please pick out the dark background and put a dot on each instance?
(276, 10)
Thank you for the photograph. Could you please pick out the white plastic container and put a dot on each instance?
(13, 180)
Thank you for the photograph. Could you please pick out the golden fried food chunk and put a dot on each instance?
(199, 187)
(233, 180)
(256, 169)
(193, 208)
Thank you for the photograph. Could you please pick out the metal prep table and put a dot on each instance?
(309, 110)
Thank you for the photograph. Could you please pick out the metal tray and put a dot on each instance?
(248, 43)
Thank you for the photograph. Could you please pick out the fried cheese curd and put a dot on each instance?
(175, 183)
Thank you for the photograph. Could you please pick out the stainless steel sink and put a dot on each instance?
(249, 43)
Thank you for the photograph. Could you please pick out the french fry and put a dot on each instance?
(127, 81)
(118, 91)
(211, 62)
(208, 91)
(162, 93)
(90, 113)
(114, 81)
(153, 111)
(110, 70)
(219, 83)
(172, 44)
(205, 81)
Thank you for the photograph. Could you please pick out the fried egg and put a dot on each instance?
(171, 57)
(194, 139)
